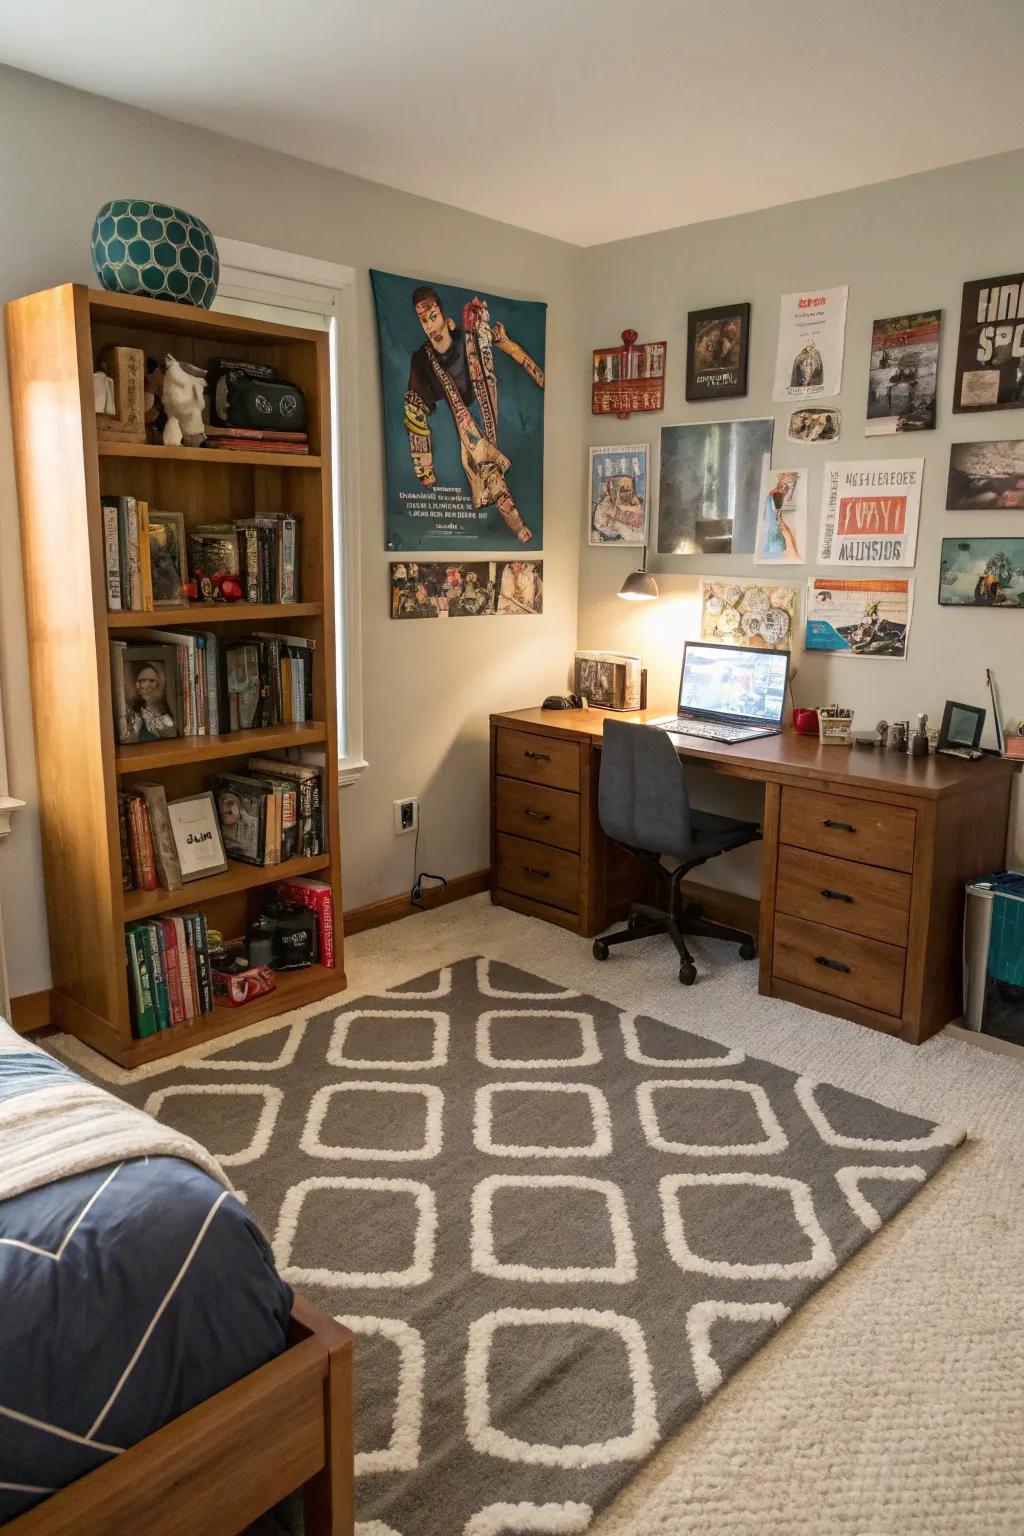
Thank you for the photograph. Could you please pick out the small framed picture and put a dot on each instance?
(717, 344)
(142, 681)
(197, 836)
(618, 495)
(168, 559)
(960, 732)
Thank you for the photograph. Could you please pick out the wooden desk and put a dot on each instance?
(866, 855)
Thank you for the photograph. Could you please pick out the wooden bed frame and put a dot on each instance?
(218, 1467)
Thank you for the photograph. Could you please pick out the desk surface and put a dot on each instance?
(789, 756)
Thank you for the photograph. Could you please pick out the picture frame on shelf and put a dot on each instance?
(196, 830)
(143, 686)
(717, 350)
(168, 559)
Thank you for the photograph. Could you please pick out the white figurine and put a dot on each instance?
(183, 396)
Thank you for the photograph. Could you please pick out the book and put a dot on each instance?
(127, 874)
(319, 898)
(227, 444)
(140, 991)
(161, 1001)
(312, 839)
(140, 840)
(111, 553)
(242, 813)
(189, 996)
(132, 543)
(171, 969)
(145, 562)
(257, 434)
(165, 853)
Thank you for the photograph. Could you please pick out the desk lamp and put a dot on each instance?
(639, 586)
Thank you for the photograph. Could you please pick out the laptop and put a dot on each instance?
(729, 693)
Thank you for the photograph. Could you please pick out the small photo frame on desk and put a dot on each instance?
(960, 732)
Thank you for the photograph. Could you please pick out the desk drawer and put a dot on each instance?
(858, 969)
(864, 830)
(534, 811)
(843, 894)
(551, 875)
(538, 759)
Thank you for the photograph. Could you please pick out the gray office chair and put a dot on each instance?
(644, 807)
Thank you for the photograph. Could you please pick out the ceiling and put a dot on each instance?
(589, 120)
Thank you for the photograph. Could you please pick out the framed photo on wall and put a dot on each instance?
(618, 494)
(990, 345)
(717, 345)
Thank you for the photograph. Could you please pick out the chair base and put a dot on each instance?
(645, 922)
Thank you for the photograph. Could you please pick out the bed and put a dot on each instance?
(156, 1374)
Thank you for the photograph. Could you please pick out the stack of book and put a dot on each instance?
(260, 553)
(272, 813)
(168, 683)
(169, 977)
(256, 440)
(149, 857)
(318, 897)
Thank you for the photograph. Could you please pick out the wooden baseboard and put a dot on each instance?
(394, 907)
(30, 1011)
(742, 912)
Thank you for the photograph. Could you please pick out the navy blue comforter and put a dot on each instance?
(127, 1295)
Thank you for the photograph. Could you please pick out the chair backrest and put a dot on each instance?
(642, 798)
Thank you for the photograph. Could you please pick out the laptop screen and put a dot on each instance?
(732, 682)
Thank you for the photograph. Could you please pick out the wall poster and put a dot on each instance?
(982, 573)
(904, 369)
(759, 614)
(986, 475)
(867, 616)
(990, 350)
(462, 374)
(869, 512)
(717, 345)
(618, 494)
(812, 328)
(710, 477)
(782, 518)
(433, 589)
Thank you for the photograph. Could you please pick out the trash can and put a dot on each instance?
(994, 956)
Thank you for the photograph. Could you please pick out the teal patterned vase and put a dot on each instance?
(155, 251)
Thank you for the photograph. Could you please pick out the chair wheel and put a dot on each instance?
(687, 974)
(748, 950)
(600, 950)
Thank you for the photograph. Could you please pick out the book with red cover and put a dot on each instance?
(141, 844)
(256, 434)
(225, 444)
(318, 896)
(172, 970)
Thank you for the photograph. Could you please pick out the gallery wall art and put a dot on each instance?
(462, 374)
(814, 426)
(708, 487)
(619, 479)
(859, 616)
(436, 589)
(628, 378)
(782, 517)
(717, 346)
(982, 573)
(869, 512)
(902, 380)
(759, 614)
(986, 475)
(990, 347)
(812, 329)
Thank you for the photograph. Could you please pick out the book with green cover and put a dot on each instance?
(141, 985)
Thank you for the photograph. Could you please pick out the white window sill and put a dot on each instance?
(8, 805)
(350, 769)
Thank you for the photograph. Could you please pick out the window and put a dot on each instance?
(299, 290)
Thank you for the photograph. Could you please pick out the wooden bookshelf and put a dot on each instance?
(63, 471)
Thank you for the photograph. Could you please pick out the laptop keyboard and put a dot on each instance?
(718, 731)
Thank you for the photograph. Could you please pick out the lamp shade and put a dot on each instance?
(639, 587)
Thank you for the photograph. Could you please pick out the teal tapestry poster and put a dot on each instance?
(462, 374)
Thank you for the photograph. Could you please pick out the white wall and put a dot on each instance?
(429, 687)
(904, 245)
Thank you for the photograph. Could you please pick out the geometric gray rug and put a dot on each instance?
(554, 1227)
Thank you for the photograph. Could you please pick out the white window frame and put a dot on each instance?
(268, 276)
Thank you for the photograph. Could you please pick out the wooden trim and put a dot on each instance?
(30, 1011)
(392, 908)
(221, 1465)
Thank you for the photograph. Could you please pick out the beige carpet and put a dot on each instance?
(894, 1402)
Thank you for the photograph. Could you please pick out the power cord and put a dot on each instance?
(417, 893)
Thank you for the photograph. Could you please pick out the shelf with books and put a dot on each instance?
(294, 989)
(197, 749)
(213, 613)
(210, 457)
(239, 877)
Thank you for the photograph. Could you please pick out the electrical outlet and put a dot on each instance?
(407, 815)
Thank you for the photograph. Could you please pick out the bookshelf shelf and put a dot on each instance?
(211, 613)
(210, 457)
(237, 877)
(201, 749)
(64, 470)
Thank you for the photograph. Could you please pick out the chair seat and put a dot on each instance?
(716, 834)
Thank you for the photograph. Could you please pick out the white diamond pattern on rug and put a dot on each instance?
(556, 1226)
(620, 1271)
(772, 1140)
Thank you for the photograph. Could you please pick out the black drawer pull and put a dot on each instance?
(839, 826)
(538, 815)
(836, 896)
(539, 757)
(539, 874)
(833, 965)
